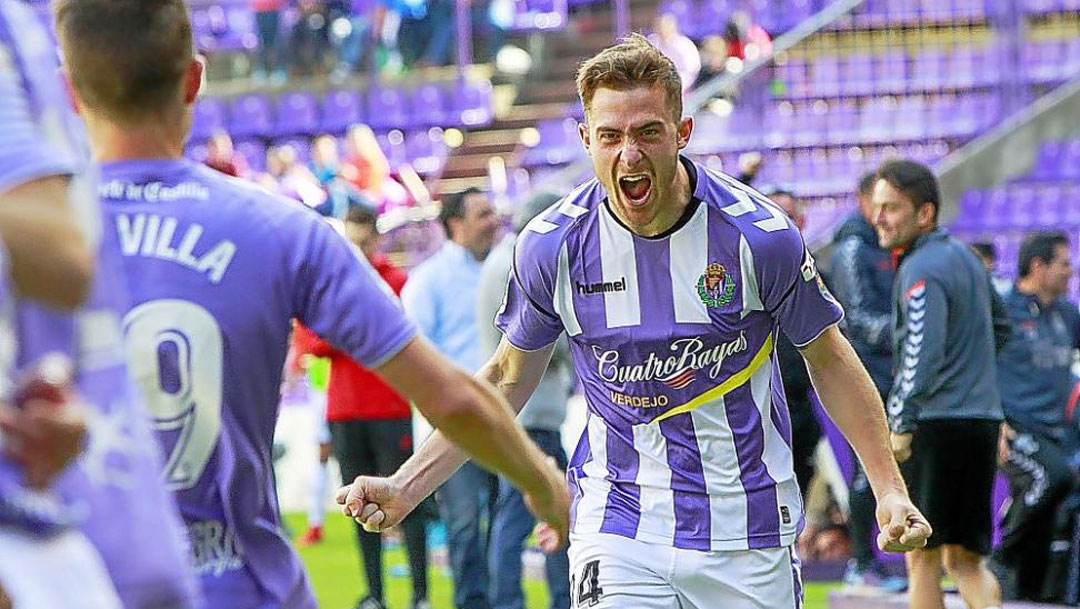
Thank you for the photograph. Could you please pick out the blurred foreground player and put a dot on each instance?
(108, 517)
(671, 282)
(217, 269)
(944, 409)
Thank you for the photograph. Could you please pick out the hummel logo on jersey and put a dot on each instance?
(601, 287)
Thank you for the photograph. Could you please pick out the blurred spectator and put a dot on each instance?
(745, 39)
(325, 159)
(428, 36)
(268, 23)
(221, 156)
(353, 33)
(1035, 381)
(862, 280)
(441, 298)
(714, 56)
(542, 417)
(944, 408)
(293, 178)
(681, 50)
(367, 167)
(750, 164)
(371, 426)
(310, 38)
(987, 253)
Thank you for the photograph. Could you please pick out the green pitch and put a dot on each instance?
(334, 568)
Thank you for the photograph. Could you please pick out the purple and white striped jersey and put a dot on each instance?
(217, 269)
(688, 435)
(114, 492)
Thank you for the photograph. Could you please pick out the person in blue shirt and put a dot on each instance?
(440, 298)
(1035, 381)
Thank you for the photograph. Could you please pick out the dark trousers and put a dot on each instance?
(269, 27)
(378, 447)
(1040, 480)
(512, 526)
(466, 505)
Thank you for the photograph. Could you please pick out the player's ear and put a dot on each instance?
(686, 127)
(193, 79)
(583, 132)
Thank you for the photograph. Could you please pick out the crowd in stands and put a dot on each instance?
(334, 180)
(341, 37)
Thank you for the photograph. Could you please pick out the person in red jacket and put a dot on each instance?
(370, 424)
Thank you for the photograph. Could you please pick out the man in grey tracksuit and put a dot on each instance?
(944, 408)
(542, 417)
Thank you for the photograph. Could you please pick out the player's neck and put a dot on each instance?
(150, 140)
(1028, 285)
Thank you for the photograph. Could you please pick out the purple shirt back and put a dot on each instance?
(217, 269)
(113, 493)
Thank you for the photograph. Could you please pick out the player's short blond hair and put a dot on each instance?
(632, 63)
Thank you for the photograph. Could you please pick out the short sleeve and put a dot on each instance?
(527, 317)
(792, 290)
(35, 114)
(340, 297)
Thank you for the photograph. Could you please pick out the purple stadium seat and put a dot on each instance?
(341, 110)
(387, 108)
(559, 143)
(683, 11)
(1022, 203)
(1042, 61)
(889, 73)
(208, 115)
(710, 17)
(426, 150)
(875, 121)
(1069, 167)
(937, 11)
(1046, 160)
(250, 116)
(472, 104)
(297, 114)
(842, 123)
(1049, 206)
(393, 146)
(710, 133)
(970, 10)
(856, 75)
(996, 209)
(1070, 63)
(927, 70)
(969, 214)
(960, 68)
(254, 152)
(825, 76)
(430, 105)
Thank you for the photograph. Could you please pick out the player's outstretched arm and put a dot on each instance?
(470, 414)
(50, 260)
(850, 398)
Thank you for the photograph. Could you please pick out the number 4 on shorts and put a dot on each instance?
(588, 587)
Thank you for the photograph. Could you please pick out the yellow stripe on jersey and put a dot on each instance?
(733, 382)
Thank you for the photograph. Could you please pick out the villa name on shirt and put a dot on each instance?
(687, 354)
(162, 237)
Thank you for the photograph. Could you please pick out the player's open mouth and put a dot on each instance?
(636, 189)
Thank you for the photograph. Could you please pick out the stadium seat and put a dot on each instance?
(297, 114)
(250, 116)
(387, 108)
(430, 105)
(208, 115)
(472, 104)
(341, 110)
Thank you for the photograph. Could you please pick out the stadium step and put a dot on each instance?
(449, 185)
(467, 166)
(555, 90)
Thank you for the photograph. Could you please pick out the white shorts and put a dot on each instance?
(61, 571)
(613, 572)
